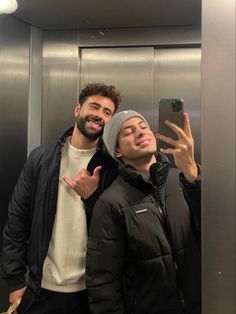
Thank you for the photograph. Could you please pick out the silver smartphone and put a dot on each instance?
(172, 110)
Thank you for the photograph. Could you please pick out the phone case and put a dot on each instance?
(172, 110)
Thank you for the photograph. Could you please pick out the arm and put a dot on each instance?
(15, 233)
(192, 194)
(105, 255)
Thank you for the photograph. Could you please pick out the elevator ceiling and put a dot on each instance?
(88, 14)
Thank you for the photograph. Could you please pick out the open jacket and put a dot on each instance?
(144, 244)
(32, 209)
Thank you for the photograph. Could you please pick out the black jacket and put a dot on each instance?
(32, 209)
(143, 251)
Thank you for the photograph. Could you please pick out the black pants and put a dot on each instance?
(51, 302)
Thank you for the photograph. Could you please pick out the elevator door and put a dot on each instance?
(178, 75)
(131, 70)
(145, 75)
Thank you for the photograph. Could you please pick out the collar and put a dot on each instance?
(158, 174)
(68, 132)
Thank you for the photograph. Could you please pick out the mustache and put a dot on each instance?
(95, 119)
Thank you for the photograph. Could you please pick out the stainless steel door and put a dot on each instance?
(178, 75)
(129, 69)
(145, 75)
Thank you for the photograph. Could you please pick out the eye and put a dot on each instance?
(144, 126)
(107, 113)
(128, 132)
(94, 106)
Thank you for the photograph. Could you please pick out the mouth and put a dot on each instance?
(95, 123)
(143, 142)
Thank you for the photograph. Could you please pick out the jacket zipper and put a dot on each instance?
(161, 209)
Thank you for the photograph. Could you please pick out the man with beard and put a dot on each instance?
(45, 236)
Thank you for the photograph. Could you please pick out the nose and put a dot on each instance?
(99, 115)
(140, 132)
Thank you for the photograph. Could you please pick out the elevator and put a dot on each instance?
(184, 50)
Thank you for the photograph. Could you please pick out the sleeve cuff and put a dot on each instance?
(191, 184)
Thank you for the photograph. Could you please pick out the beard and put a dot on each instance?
(88, 133)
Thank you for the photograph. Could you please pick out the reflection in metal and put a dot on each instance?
(218, 157)
(178, 75)
(35, 89)
(145, 75)
(60, 75)
(151, 36)
(131, 70)
(14, 78)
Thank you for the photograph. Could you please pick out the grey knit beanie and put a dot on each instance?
(113, 126)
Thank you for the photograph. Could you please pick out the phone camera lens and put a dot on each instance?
(176, 105)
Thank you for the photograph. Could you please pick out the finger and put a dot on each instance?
(83, 173)
(167, 140)
(96, 171)
(179, 132)
(168, 151)
(67, 181)
(186, 125)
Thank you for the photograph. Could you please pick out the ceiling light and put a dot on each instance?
(8, 6)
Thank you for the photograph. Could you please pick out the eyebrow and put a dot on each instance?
(99, 105)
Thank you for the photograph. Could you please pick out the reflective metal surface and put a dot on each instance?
(178, 75)
(35, 89)
(152, 36)
(14, 78)
(87, 14)
(60, 75)
(131, 70)
(145, 75)
(218, 157)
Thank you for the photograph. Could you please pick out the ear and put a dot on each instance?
(118, 153)
(77, 109)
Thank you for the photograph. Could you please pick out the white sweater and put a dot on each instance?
(64, 266)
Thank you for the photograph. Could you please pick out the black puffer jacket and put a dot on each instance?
(143, 251)
(32, 210)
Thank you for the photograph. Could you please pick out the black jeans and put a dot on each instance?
(52, 302)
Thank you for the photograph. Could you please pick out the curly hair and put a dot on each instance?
(101, 89)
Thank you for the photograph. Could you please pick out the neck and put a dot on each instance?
(79, 141)
(142, 164)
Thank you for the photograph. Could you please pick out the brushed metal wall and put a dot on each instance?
(218, 157)
(131, 70)
(145, 75)
(178, 75)
(14, 78)
(60, 82)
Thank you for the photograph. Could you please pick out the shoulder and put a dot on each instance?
(172, 185)
(43, 152)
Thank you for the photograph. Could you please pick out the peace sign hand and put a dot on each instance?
(183, 148)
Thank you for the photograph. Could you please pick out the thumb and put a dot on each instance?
(96, 171)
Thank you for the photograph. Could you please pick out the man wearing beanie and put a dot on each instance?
(143, 252)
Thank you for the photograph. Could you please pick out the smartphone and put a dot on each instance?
(172, 110)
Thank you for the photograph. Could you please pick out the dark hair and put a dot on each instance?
(101, 89)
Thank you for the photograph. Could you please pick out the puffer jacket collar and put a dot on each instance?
(158, 174)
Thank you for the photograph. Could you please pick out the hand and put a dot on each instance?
(15, 295)
(183, 149)
(83, 183)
